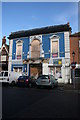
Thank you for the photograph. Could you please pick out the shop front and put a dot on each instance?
(55, 68)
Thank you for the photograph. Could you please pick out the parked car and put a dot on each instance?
(26, 81)
(32, 81)
(46, 80)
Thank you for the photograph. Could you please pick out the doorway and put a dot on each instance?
(35, 70)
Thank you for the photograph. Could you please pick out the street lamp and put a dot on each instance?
(73, 54)
(73, 68)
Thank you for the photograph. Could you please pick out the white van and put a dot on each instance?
(13, 76)
(3, 76)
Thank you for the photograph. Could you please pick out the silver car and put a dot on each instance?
(46, 80)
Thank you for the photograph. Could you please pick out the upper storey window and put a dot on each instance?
(35, 49)
(19, 45)
(54, 46)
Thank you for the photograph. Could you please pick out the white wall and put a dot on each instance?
(10, 56)
(67, 45)
(45, 69)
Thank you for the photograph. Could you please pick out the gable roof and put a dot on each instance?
(37, 31)
(6, 47)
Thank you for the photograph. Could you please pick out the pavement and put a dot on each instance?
(70, 87)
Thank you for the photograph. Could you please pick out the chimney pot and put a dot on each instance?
(68, 23)
(4, 40)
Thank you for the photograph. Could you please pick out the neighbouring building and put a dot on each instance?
(41, 51)
(75, 46)
(4, 51)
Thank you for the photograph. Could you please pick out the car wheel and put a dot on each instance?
(52, 86)
(12, 83)
(38, 86)
(30, 85)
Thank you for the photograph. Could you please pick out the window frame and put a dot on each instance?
(19, 42)
(54, 38)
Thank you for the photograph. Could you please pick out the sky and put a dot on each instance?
(18, 16)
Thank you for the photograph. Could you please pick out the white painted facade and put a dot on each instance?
(65, 69)
(10, 56)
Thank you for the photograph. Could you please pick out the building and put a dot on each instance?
(4, 51)
(75, 46)
(41, 51)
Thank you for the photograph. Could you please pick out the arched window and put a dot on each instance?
(35, 49)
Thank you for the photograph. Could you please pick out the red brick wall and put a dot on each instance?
(74, 46)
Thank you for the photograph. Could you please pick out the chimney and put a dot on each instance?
(4, 40)
(68, 24)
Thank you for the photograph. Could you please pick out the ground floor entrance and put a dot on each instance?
(35, 69)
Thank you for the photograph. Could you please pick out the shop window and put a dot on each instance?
(77, 72)
(56, 72)
(17, 69)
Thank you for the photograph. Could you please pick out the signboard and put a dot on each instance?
(18, 56)
(57, 62)
(24, 62)
(55, 55)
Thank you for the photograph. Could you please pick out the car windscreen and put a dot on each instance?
(23, 77)
(44, 77)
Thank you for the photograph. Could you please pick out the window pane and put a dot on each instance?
(15, 69)
(19, 51)
(77, 72)
(35, 49)
(54, 46)
(55, 49)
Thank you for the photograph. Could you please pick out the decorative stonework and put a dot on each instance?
(32, 38)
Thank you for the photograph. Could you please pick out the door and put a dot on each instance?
(35, 70)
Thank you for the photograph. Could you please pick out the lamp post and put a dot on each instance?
(73, 54)
(73, 67)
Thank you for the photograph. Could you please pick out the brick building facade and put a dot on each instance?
(75, 46)
(4, 55)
